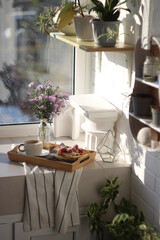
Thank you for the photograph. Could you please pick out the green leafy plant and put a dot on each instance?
(129, 227)
(111, 33)
(128, 223)
(68, 12)
(97, 211)
(109, 11)
(59, 17)
(45, 21)
(96, 224)
(155, 107)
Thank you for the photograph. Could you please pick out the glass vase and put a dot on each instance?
(44, 134)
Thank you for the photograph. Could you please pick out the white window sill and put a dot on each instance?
(18, 130)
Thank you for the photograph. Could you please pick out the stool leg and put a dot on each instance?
(86, 140)
(95, 143)
(90, 141)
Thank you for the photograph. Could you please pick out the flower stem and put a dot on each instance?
(81, 11)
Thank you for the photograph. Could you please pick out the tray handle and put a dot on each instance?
(84, 157)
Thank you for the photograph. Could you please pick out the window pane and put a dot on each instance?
(25, 56)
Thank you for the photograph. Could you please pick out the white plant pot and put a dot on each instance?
(69, 29)
(83, 27)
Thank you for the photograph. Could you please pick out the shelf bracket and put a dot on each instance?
(99, 57)
(129, 60)
(156, 39)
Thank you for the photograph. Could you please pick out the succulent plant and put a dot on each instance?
(45, 20)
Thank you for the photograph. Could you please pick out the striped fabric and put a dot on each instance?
(51, 199)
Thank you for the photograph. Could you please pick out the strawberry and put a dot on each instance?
(63, 149)
(75, 148)
(69, 150)
(80, 150)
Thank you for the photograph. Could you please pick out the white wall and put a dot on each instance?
(111, 80)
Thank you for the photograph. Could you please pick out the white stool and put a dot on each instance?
(92, 139)
(99, 117)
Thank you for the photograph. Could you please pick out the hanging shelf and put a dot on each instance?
(91, 46)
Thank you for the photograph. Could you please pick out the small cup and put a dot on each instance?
(31, 147)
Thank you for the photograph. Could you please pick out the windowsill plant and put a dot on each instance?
(64, 18)
(128, 223)
(77, 12)
(106, 26)
(45, 21)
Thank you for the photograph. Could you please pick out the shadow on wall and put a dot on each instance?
(132, 22)
(130, 147)
(145, 190)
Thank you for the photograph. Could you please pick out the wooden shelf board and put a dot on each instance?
(151, 84)
(146, 121)
(91, 46)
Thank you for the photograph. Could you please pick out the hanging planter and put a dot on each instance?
(155, 115)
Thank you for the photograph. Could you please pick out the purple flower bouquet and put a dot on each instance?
(47, 102)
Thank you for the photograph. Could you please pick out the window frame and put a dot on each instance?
(82, 84)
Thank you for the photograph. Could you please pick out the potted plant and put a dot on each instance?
(48, 20)
(45, 21)
(127, 224)
(83, 27)
(66, 25)
(155, 115)
(106, 27)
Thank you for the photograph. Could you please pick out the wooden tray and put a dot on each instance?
(14, 155)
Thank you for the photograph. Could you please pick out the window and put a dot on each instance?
(25, 56)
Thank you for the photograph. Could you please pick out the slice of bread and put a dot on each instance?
(71, 156)
(71, 153)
